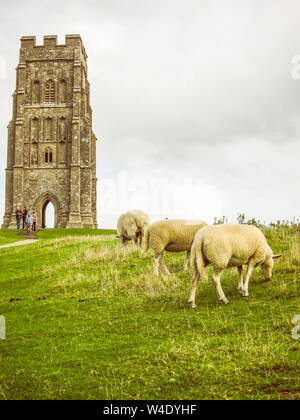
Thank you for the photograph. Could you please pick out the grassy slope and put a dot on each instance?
(61, 233)
(8, 236)
(135, 337)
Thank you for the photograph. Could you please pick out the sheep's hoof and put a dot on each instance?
(225, 301)
(245, 296)
(192, 305)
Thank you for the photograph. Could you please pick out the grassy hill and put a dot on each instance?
(94, 323)
(8, 236)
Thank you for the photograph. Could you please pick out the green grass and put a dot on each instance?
(133, 336)
(59, 233)
(8, 236)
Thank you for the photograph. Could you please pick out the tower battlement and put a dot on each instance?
(50, 41)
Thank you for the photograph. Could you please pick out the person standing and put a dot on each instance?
(18, 217)
(29, 221)
(34, 216)
(24, 214)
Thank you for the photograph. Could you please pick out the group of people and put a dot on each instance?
(28, 218)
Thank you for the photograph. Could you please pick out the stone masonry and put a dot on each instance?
(51, 155)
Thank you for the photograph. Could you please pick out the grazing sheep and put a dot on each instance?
(173, 236)
(132, 225)
(226, 246)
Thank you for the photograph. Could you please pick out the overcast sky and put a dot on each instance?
(195, 106)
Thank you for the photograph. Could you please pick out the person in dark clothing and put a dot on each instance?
(18, 217)
(24, 214)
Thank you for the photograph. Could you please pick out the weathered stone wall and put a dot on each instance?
(51, 145)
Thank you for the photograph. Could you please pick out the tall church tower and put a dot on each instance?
(51, 155)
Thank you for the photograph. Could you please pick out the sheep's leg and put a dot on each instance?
(135, 240)
(186, 261)
(193, 289)
(140, 239)
(247, 278)
(241, 284)
(163, 264)
(217, 282)
(157, 258)
(124, 241)
(142, 242)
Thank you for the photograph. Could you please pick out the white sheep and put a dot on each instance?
(132, 226)
(229, 245)
(173, 236)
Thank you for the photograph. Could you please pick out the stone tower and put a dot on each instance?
(51, 155)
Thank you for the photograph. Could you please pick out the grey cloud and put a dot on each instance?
(192, 89)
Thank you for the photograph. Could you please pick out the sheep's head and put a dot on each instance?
(268, 264)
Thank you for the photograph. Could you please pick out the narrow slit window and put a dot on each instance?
(62, 91)
(48, 156)
(36, 92)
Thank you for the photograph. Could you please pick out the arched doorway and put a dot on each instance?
(48, 215)
(48, 211)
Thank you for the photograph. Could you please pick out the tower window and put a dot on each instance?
(50, 91)
(48, 156)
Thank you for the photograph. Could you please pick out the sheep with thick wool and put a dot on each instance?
(229, 245)
(173, 236)
(132, 226)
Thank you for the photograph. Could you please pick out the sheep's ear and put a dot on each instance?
(276, 256)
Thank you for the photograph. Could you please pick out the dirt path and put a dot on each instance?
(27, 241)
